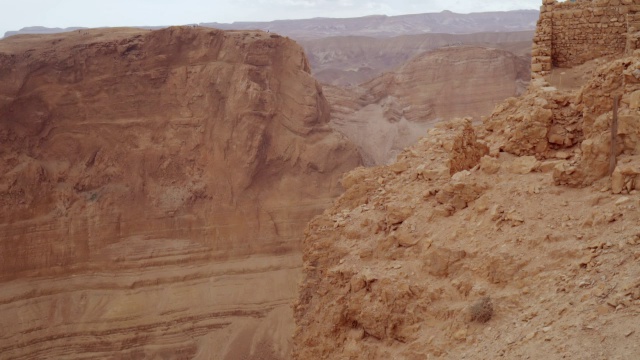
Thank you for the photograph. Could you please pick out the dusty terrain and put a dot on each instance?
(154, 186)
(393, 111)
(504, 240)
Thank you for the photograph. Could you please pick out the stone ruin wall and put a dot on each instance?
(573, 32)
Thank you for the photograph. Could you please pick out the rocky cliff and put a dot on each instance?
(504, 240)
(394, 110)
(153, 190)
(353, 60)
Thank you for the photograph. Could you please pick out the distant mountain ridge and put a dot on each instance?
(40, 30)
(47, 30)
(390, 26)
(350, 60)
(373, 26)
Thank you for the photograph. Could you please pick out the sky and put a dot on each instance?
(16, 14)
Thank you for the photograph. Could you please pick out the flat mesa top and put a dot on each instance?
(21, 43)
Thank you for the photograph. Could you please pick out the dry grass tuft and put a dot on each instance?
(482, 310)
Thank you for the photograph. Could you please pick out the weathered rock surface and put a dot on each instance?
(153, 190)
(353, 60)
(352, 51)
(440, 261)
(393, 111)
(574, 124)
(529, 250)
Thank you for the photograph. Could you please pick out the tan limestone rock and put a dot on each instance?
(523, 165)
(635, 100)
(489, 165)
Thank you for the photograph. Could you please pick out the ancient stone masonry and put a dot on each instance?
(572, 32)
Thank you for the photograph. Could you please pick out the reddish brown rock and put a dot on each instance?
(155, 185)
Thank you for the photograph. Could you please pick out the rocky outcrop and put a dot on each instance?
(537, 123)
(527, 248)
(452, 256)
(153, 189)
(575, 127)
(393, 111)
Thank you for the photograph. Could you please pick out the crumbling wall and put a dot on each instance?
(570, 33)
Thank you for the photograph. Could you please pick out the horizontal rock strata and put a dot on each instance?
(153, 190)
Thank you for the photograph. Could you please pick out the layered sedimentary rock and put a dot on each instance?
(484, 243)
(153, 190)
(393, 111)
(353, 60)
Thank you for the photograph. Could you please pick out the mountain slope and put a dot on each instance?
(394, 110)
(390, 26)
(507, 240)
(352, 60)
(374, 26)
(154, 188)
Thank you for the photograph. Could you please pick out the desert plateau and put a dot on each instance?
(424, 186)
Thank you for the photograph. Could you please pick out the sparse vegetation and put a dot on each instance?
(482, 310)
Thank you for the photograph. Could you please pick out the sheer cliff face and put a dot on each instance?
(153, 191)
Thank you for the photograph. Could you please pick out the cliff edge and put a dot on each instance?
(153, 189)
(506, 240)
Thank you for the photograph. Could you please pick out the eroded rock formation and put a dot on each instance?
(522, 246)
(393, 111)
(575, 127)
(153, 190)
(353, 60)
(450, 253)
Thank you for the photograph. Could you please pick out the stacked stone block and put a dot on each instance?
(572, 32)
(542, 42)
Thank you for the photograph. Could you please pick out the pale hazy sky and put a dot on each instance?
(16, 14)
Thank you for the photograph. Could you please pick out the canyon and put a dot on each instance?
(353, 60)
(516, 237)
(154, 188)
(389, 113)
(352, 51)
(375, 192)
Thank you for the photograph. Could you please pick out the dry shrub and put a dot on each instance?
(482, 310)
